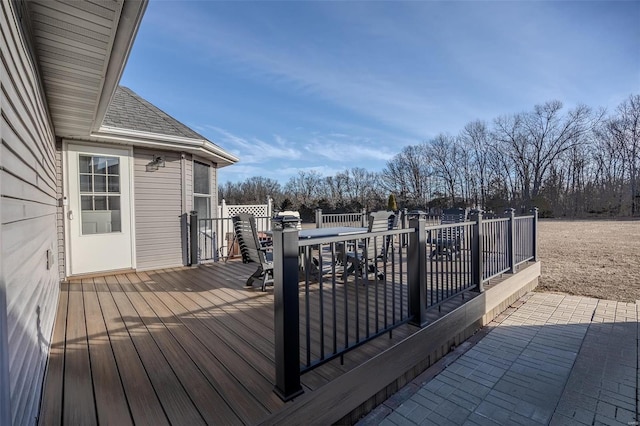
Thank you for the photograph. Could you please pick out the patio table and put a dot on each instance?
(330, 232)
(335, 231)
(310, 234)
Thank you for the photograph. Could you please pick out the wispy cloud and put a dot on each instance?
(240, 172)
(318, 85)
(282, 159)
(344, 148)
(311, 149)
(333, 76)
(254, 150)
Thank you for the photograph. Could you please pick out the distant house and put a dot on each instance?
(93, 178)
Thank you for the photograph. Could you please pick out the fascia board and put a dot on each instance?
(174, 143)
(127, 28)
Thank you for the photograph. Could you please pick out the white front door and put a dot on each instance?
(99, 211)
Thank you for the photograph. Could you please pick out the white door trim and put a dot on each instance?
(66, 196)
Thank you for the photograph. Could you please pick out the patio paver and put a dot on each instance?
(556, 359)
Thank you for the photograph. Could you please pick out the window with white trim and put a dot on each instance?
(202, 189)
(99, 194)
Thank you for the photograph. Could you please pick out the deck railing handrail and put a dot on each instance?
(436, 263)
(323, 220)
(214, 238)
(340, 219)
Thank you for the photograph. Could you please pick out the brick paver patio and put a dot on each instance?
(555, 359)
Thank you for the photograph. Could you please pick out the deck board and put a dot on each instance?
(210, 403)
(53, 386)
(142, 399)
(78, 403)
(187, 346)
(172, 395)
(111, 404)
(195, 336)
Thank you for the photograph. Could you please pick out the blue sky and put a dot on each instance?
(326, 86)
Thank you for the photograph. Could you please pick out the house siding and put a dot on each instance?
(188, 183)
(29, 289)
(214, 188)
(158, 206)
(60, 212)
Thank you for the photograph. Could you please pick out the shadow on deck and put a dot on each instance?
(194, 346)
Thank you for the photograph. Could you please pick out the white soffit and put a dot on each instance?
(81, 48)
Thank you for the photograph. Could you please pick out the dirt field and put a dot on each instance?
(591, 258)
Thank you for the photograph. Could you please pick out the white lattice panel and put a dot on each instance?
(258, 210)
(227, 211)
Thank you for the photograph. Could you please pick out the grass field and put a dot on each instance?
(591, 258)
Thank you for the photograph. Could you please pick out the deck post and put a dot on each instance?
(193, 236)
(404, 216)
(286, 311)
(417, 272)
(512, 240)
(364, 218)
(477, 266)
(318, 218)
(535, 234)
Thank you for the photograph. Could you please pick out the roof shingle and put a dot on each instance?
(128, 110)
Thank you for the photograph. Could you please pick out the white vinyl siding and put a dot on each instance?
(214, 189)
(188, 183)
(28, 289)
(158, 206)
(60, 212)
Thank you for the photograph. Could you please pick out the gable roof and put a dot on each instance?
(129, 111)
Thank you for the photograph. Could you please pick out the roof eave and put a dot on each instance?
(201, 147)
(128, 25)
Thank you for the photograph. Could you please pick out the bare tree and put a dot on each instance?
(568, 163)
(408, 175)
(444, 154)
(625, 130)
(254, 190)
(476, 139)
(534, 141)
(610, 169)
(304, 187)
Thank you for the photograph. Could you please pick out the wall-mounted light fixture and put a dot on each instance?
(154, 164)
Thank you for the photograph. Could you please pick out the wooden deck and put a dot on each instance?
(175, 346)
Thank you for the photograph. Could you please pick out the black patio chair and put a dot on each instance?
(244, 226)
(364, 260)
(448, 241)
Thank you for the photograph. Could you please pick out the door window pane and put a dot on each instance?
(100, 203)
(85, 183)
(113, 167)
(86, 202)
(114, 203)
(85, 164)
(100, 183)
(100, 165)
(114, 183)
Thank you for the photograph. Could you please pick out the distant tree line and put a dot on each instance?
(576, 163)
